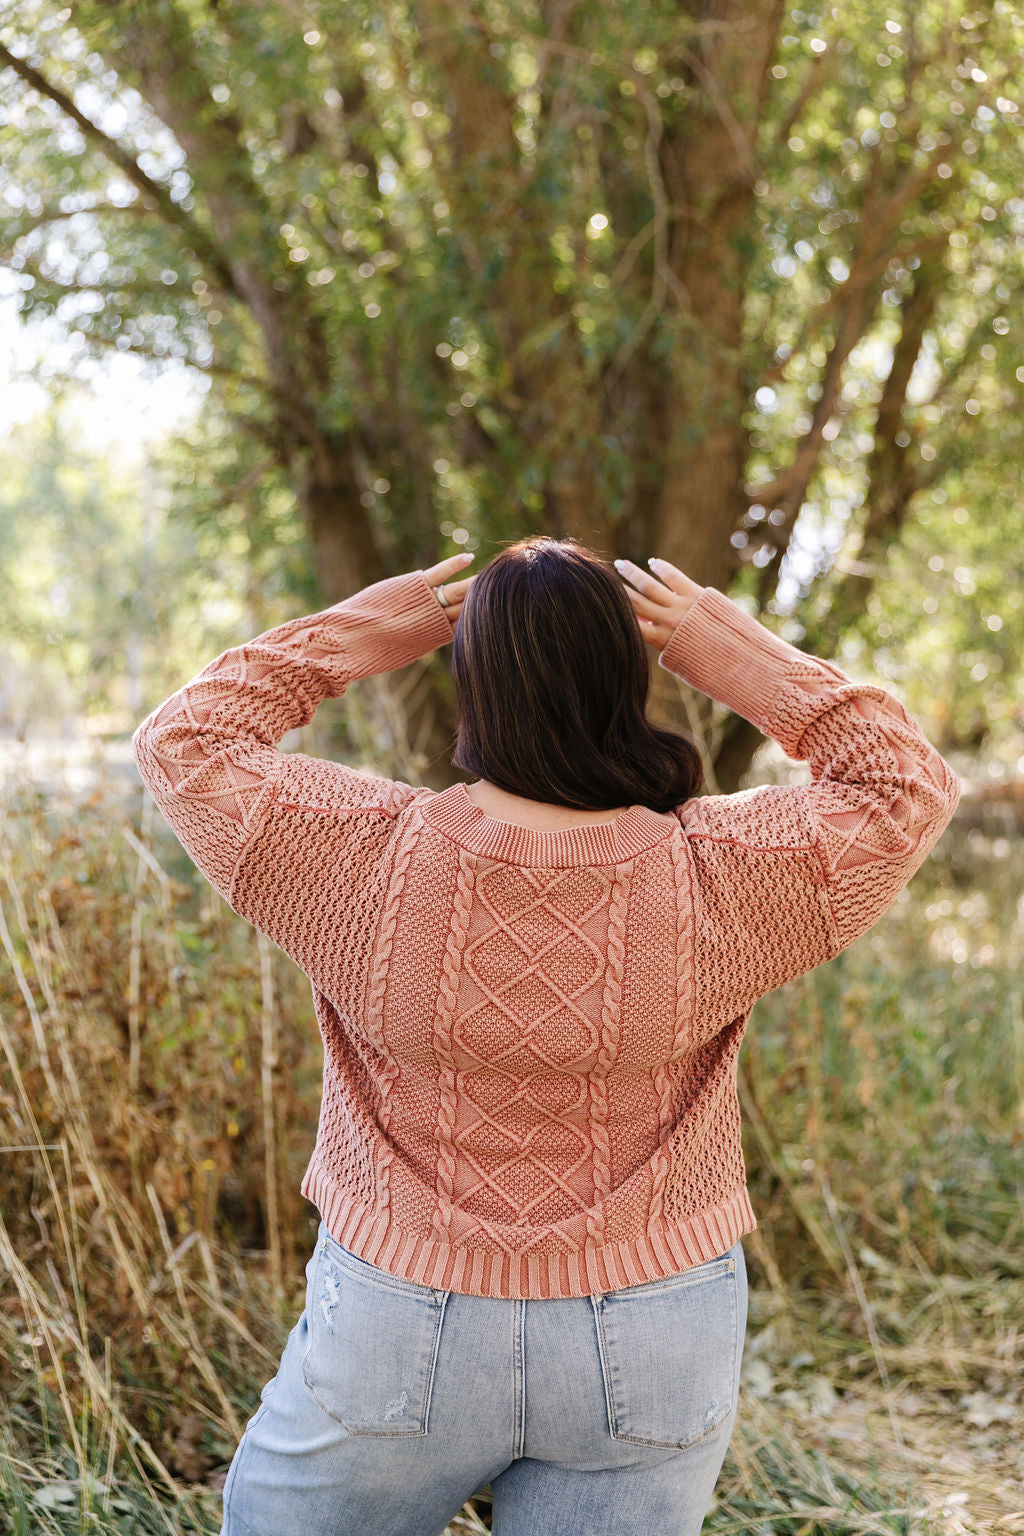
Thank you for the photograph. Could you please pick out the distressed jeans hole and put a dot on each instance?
(394, 1410)
(330, 1295)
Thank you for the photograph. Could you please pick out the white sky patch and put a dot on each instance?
(120, 401)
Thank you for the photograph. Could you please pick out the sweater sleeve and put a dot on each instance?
(209, 755)
(788, 876)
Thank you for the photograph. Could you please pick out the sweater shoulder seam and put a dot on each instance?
(742, 842)
(342, 810)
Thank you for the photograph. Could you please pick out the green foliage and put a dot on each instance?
(945, 625)
(435, 269)
(355, 216)
(120, 575)
(72, 577)
(910, 1027)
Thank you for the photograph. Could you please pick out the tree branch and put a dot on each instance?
(214, 369)
(879, 213)
(851, 298)
(813, 81)
(741, 141)
(980, 331)
(56, 215)
(664, 279)
(239, 492)
(199, 241)
(893, 477)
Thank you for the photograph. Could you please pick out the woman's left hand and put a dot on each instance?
(444, 574)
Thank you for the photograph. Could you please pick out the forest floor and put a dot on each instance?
(953, 1459)
(143, 1025)
(963, 1472)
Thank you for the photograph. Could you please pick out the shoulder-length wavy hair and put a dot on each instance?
(552, 675)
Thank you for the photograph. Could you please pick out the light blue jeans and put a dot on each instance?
(599, 1416)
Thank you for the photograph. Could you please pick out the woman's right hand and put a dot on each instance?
(659, 600)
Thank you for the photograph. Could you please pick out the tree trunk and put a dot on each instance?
(410, 732)
(345, 552)
(707, 164)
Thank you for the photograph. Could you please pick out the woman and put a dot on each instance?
(532, 991)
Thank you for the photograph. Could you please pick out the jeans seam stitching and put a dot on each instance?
(237, 1523)
(609, 1399)
(229, 1484)
(519, 1385)
(442, 1307)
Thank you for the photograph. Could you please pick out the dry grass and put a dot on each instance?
(158, 1088)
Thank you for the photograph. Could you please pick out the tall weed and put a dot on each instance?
(159, 1084)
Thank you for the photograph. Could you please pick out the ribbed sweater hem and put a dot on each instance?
(661, 1250)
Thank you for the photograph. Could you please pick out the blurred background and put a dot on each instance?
(298, 294)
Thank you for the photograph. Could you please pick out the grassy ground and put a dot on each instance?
(158, 1086)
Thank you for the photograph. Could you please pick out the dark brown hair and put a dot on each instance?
(552, 676)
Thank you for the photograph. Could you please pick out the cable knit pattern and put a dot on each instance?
(609, 1040)
(388, 1072)
(530, 1038)
(447, 1114)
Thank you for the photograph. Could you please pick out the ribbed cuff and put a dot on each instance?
(388, 625)
(720, 650)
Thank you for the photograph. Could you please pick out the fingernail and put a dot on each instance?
(618, 564)
(653, 560)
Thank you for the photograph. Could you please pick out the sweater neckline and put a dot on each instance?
(453, 813)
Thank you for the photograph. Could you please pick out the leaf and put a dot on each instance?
(758, 1378)
(56, 1495)
(982, 1410)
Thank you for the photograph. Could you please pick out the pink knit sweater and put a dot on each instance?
(530, 1038)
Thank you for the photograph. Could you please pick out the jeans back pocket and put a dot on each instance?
(372, 1346)
(670, 1353)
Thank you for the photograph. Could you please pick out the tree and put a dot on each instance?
(112, 585)
(703, 279)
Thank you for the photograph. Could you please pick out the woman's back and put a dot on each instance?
(530, 1034)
